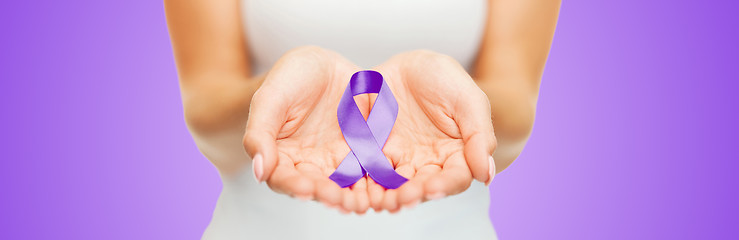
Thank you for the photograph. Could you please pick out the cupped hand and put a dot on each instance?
(292, 132)
(443, 136)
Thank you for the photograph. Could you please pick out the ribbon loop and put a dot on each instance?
(367, 138)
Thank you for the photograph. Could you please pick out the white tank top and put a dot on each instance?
(367, 33)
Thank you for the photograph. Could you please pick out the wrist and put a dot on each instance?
(215, 106)
(513, 111)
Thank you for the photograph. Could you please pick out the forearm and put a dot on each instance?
(509, 68)
(513, 110)
(210, 50)
(216, 111)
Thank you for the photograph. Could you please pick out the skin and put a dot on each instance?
(443, 129)
(443, 137)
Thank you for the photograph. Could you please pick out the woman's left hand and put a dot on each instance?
(443, 136)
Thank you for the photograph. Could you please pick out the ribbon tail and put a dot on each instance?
(348, 172)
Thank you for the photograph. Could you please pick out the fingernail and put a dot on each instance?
(344, 211)
(257, 166)
(435, 196)
(491, 170)
(411, 205)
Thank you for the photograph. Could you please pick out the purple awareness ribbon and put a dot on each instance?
(367, 138)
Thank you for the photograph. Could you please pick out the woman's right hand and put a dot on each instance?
(292, 133)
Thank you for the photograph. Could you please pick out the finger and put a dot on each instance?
(375, 190)
(454, 178)
(360, 195)
(287, 180)
(473, 116)
(389, 201)
(479, 156)
(326, 191)
(390, 198)
(376, 193)
(348, 202)
(266, 117)
(364, 103)
(412, 192)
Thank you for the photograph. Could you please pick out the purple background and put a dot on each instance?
(634, 138)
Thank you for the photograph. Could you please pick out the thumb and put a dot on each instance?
(474, 118)
(266, 117)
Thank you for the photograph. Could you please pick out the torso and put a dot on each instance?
(367, 33)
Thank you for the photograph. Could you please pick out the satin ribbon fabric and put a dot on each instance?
(367, 138)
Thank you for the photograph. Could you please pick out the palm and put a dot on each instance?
(424, 136)
(308, 143)
(426, 144)
(309, 136)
